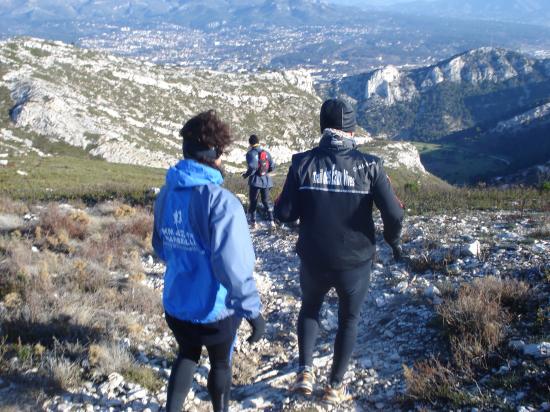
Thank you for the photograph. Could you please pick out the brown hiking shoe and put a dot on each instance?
(336, 396)
(304, 382)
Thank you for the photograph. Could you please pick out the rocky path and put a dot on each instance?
(392, 331)
(395, 329)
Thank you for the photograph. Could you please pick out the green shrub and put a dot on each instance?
(36, 52)
(413, 187)
(144, 376)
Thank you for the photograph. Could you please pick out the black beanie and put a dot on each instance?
(337, 114)
(253, 139)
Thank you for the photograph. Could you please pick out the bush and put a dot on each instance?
(431, 381)
(64, 373)
(106, 358)
(56, 222)
(144, 376)
(413, 187)
(21, 269)
(477, 317)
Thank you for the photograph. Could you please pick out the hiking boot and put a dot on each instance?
(304, 382)
(251, 217)
(336, 396)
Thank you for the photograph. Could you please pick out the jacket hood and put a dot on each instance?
(190, 173)
(335, 139)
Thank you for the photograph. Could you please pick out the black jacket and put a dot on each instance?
(254, 179)
(331, 189)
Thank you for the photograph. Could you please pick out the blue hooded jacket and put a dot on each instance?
(200, 231)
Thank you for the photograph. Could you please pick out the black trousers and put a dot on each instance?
(220, 355)
(351, 287)
(253, 201)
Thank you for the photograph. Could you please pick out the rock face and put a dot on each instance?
(535, 175)
(398, 155)
(130, 112)
(390, 84)
(430, 102)
(541, 112)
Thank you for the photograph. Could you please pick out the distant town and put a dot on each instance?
(328, 52)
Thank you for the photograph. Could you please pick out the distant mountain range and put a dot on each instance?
(478, 87)
(519, 11)
(236, 35)
(194, 13)
(204, 13)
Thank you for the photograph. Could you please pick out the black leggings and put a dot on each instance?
(351, 287)
(253, 198)
(183, 369)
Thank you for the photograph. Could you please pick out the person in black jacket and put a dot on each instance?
(260, 164)
(331, 189)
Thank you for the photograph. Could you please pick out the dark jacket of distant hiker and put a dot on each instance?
(254, 179)
(332, 189)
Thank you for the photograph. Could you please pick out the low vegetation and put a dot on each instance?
(478, 320)
(76, 178)
(72, 285)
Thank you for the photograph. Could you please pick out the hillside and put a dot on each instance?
(83, 326)
(485, 100)
(492, 155)
(130, 112)
(479, 86)
(58, 99)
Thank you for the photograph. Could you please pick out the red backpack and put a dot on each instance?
(263, 163)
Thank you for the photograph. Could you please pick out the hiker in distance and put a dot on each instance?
(331, 189)
(200, 231)
(260, 164)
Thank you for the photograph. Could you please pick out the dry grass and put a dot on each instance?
(431, 381)
(144, 376)
(541, 232)
(64, 373)
(475, 322)
(57, 222)
(8, 205)
(108, 357)
(21, 268)
(476, 319)
(73, 284)
(124, 211)
(118, 244)
(436, 260)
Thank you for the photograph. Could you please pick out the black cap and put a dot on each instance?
(337, 114)
(253, 139)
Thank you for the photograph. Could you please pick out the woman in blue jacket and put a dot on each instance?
(200, 231)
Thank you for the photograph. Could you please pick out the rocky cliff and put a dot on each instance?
(476, 87)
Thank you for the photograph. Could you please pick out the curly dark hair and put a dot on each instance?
(203, 132)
